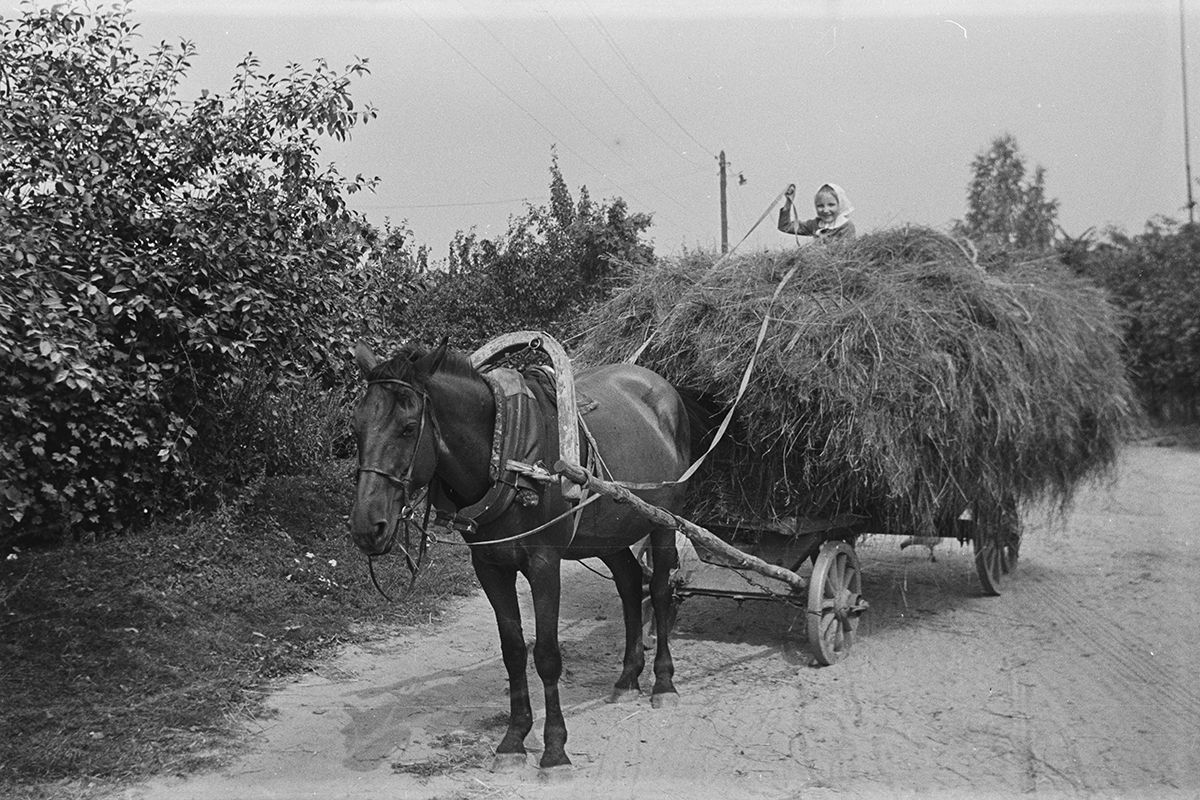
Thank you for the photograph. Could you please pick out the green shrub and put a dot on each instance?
(253, 428)
(1155, 278)
(164, 263)
(551, 264)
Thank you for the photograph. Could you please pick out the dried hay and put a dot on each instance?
(898, 379)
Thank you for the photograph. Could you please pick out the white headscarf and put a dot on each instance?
(844, 205)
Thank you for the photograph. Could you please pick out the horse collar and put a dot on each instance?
(515, 437)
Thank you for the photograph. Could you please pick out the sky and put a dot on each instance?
(639, 98)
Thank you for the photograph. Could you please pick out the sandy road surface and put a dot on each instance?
(1081, 681)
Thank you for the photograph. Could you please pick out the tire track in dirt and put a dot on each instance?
(1043, 743)
(1126, 663)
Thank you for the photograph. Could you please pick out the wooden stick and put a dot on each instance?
(697, 534)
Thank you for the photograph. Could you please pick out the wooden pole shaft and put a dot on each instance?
(1187, 152)
(697, 534)
(724, 212)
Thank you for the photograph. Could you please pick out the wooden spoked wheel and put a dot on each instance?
(997, 546)
(996, 558)
(835, 602)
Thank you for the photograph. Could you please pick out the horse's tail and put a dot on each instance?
(704, 414)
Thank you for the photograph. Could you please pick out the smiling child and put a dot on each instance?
(831, 222)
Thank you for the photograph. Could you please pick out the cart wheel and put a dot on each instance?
(835, 602)
(994, 561)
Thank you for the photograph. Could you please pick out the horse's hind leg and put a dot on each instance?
(665, 559)
(500, 586)
(627, 574)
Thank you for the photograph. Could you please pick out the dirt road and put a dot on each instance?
(1081, 681)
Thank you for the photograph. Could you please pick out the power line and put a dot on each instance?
(526, 111)
(614, 93)
(612, 43)
(455, 205)
(573, 115)
(505, 94)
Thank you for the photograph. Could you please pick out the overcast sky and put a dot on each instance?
(890, 99)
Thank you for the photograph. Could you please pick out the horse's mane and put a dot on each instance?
(406, 365)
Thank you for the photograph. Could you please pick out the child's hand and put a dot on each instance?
(790, 192)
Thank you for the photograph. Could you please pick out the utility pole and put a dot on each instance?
(1187, 156)
(725, 214)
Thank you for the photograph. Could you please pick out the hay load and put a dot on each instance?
(896, 379)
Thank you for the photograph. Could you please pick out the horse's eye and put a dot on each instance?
(409, 430)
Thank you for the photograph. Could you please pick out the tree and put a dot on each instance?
(160, 257)
(1005, 208)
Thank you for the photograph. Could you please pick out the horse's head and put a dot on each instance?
(396, 433)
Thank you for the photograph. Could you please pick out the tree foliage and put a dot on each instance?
(551, 263)
(1006, 208)
(169, 266)
(1153, 276)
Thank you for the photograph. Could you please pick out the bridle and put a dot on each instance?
(404, 484)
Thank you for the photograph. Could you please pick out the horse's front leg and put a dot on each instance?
(665, 558)
(546, 586)
(627, 574)
(500, 586)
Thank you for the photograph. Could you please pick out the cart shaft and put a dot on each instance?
(696, 533)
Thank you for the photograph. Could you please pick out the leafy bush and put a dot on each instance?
(551, 264)
(168, 263)
(1155, 278)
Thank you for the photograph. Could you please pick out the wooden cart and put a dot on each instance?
(812, 562)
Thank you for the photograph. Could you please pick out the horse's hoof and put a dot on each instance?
(624, 695)
(509, 762)
(559, 774)
(664, 700)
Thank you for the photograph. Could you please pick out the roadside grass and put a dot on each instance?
(146, 654)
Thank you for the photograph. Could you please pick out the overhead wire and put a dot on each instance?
(615, 94)
(582, 123)
(612, 43)
(503, 93)
(566, 145)
(510, 200)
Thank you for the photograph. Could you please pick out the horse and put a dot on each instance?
(428, 419)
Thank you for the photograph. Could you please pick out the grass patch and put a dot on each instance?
(459, 750)
(146, 654)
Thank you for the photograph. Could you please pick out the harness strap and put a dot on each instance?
(466, 525)
(514, 403)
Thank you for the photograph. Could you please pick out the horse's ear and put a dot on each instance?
(435, 359)
(365, 357)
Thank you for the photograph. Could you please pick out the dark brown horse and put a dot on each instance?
(429, 417)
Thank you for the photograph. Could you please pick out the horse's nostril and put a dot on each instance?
(383, 544)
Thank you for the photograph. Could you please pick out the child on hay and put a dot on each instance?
(832, 209)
